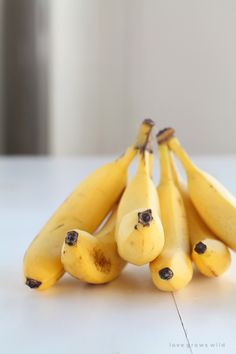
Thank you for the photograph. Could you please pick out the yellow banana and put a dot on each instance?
(93, 259)
(172, 270)
(210, 255)
(139, 232)
(85, 208)
(214, 203)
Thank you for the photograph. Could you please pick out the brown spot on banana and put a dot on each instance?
(102, 263)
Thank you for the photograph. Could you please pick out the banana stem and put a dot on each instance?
(165, 164)
(144, 135)
(144, 163)
(150, 162)
(126, 158)
(142, 142)
(175, 146)
(174, 171)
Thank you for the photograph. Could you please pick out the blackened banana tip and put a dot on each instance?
(32, 283)
(71, 238)
(166, 273)
(200, 248)
(145, 217)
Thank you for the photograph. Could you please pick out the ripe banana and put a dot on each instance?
(172, 270)
(139, 232)
(93, 259)
(214, 203)
(210, 255)
(85, 208)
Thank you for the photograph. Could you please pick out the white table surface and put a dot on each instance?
(126, 316)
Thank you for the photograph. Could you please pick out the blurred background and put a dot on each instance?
(77, 76)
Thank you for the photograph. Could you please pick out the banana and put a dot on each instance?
(210, 255)
(139, 232)
(172, 270)
(93, 259)
(84, 209)
(214, 203)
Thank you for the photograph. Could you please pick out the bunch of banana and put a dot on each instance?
(107, 222)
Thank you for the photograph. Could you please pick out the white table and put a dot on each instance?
(126, 316)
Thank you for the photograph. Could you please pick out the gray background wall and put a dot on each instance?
(80, 75)
(115, 62)
(1, 79)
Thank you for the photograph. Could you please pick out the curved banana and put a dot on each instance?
(139, 232)
(85, 208)
(210, 255)
(214, 203)
(93, 259)
(172, 270)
